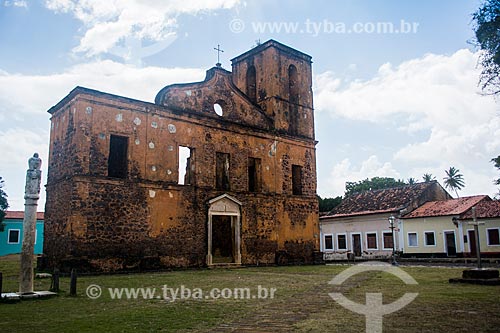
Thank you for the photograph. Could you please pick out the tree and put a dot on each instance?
(496, 160)
(375, 183)
(327, 204)
(428, 177)
(454, 180)
(411, 181)
(3, 203)
(487, 30)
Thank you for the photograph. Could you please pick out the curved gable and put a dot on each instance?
(217, 88)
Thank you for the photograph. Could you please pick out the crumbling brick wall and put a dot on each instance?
(146, 219)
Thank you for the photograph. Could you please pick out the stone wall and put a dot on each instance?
(146, 219)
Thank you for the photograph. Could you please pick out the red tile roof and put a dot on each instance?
(485, 209)
(19, 215)
(385, 200)
(447, 207)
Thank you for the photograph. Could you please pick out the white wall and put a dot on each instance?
(362, 225)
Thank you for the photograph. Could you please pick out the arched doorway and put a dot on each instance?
(224, 239)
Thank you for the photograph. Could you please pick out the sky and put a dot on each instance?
(395, 82)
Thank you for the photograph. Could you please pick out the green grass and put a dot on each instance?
(301, 302)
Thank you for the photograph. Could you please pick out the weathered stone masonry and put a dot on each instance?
(114, 201)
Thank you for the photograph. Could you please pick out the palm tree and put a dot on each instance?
(411, 181)
(454, 180)
(428, 177)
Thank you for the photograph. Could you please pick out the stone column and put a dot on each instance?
(31, 196)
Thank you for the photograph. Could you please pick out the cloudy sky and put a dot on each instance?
(395, 82)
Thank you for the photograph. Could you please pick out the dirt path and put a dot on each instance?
(282, 315)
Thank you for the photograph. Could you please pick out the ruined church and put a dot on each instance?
(218, 172)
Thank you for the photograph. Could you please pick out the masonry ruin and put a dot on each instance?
(221, 171)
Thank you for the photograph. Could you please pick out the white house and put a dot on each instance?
(360, 226)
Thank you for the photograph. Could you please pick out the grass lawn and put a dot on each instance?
(301, 302)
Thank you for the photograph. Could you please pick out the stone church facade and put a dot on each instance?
(221, 171)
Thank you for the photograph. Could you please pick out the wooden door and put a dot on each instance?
(472, 242)
(451, 246)
(356, 245)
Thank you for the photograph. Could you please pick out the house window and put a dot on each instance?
(328, 242)
(252, 84)
(493, 237)
(371, 241)
(222, 171)
(430, 238)
(388, 240)
(341, 242)
(186, 166)
(412, 239)
(297, 179)
(117, 160)
(254, 174)
(14, 236)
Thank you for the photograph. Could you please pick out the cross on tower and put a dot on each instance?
(219, 50)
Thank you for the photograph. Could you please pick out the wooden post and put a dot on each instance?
(55, 281)
(31, 196)
(476, 232)
(72, 283)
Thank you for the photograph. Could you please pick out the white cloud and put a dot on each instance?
(24, 100)
(34, 94)
(109, 22)
(435, 93)
(16, 3)
(18, 145)
(22, 143)
(428, 89)
(344, 172)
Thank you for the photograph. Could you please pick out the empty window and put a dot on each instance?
(186, 166)
(117, 160)
(293, 90)
(14, 236)
(218, 109)
(252, 84)
(293, 87)
(222, 171)
(341, 242)
(430, 238)
(412, 239)
(493, 238)
(371, 241)
(254, 174)
(388, 241)
(296, 179)
(328, 242)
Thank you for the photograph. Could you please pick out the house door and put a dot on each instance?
(451, 247)
(472, 242)
(222, 239)
(356, 245)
